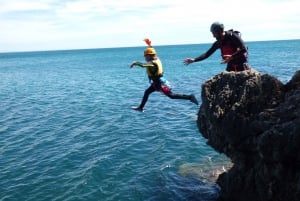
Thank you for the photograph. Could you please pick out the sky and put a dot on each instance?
(34, 25)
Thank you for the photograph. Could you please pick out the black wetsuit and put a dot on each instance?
(238, 50)
(155, 74)
(156, 85)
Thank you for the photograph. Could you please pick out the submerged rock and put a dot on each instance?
(208, 171)
(254, 119)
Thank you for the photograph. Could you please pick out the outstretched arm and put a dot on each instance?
(136, 63)
(133, 64)
(140, 64)
(203, 56)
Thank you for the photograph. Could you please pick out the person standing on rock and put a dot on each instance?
(233, 49)
(155, 71)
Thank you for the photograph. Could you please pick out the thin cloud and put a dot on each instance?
(54, 24)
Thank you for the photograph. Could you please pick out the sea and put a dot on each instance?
(68, 132)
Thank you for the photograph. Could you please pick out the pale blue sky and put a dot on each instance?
(29, 25)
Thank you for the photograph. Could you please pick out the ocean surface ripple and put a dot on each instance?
(67, 131)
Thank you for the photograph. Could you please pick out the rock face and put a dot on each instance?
(254, 119)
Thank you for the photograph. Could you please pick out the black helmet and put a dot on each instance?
(217, 26)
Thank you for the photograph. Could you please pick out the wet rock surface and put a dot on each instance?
(253, 119)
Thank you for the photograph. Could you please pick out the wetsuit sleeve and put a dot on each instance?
(209, 52)
(151, 67)
(144, 65)
(238, 42)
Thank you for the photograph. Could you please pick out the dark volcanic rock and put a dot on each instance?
(254, 120)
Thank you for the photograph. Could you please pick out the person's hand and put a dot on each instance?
(131, 66)
(188, 61)
(226, 59)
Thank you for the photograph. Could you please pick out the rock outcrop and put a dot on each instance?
(254, 119)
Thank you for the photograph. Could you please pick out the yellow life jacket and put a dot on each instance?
(156, 70)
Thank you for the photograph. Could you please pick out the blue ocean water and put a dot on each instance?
(67, 131)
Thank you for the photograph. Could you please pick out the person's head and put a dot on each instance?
(149, 53)
(217, 30)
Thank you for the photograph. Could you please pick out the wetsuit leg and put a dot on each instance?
(147, 92)
(191, 97)
(178, 96)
